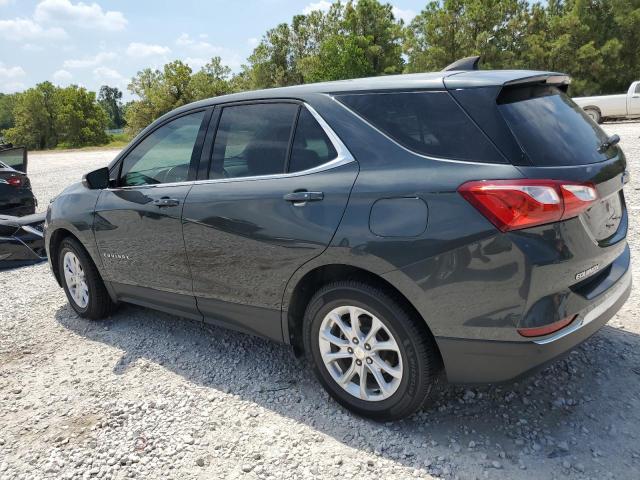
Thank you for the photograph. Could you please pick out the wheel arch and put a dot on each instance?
(55, 240)
(314, 279)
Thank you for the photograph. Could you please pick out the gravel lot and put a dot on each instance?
(149, 395)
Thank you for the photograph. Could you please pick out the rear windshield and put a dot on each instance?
(429, 123)
(550, 128)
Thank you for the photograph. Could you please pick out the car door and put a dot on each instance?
(278, 184)
(137, 225)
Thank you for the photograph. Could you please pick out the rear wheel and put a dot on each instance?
(368, 352)
(594, 114)
(81, 281)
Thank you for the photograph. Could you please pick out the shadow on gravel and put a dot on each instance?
(570, 410)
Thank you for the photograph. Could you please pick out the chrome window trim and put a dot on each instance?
(344, 156)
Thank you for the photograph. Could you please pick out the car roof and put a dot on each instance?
(411, 81)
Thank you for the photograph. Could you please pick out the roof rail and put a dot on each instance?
(467, 63)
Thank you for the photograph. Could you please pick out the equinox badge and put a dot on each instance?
(587, 272)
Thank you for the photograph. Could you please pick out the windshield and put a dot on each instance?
(551, 129)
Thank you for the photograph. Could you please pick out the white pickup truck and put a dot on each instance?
(612, 106)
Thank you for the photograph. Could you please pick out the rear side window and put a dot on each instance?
(311, 146)
(429, 123)
(550, 128)
(253, 140)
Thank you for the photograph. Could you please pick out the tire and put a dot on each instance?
(414, 363)
(594, 114)
(98, 302)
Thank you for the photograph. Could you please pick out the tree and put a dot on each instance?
(160, 91)
(35, 114)
(80, 118)
(46, 116)
(7, 104)
(110, 99)
(350, 40)
(212, 80)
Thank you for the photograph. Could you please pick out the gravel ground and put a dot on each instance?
(149, 395)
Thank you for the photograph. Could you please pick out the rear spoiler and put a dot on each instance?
(504, 78)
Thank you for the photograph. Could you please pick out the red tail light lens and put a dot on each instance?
(14, 181)
(517, 204)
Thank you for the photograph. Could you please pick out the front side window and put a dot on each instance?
(311, 146)
(253, 140)
(163, 156)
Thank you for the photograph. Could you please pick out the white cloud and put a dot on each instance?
(10, 78)
(322, 5)
(87, 62)
(406, 15)
(253, 42)
(21, 29)
(80, 15)
(195, 63)
(106, 73)
(136, 49)
(198, 46)
(4, 3)
(62, 77)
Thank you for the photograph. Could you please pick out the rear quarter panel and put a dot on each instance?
(459, 271)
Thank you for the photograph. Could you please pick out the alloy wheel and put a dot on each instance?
(360, 353)
(75, 280)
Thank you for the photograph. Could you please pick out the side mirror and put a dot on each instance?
(96, 180)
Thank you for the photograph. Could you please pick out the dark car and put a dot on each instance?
(21, 240)
(389, 227)
(16, 197)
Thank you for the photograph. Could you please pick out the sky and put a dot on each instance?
(93, 43)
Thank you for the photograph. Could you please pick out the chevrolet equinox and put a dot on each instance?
(470, 221)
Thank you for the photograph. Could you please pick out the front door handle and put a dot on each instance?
(302, 197)
(166, 202)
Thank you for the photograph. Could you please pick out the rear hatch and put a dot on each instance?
(561, 142)
(547, 136)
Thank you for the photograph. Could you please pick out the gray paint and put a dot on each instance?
(237, 250)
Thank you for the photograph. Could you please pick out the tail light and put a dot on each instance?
(13, 181)
(517, 204)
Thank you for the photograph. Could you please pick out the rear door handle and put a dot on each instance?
(302, 197)
(166, 202)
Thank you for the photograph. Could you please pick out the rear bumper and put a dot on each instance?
(483, 361)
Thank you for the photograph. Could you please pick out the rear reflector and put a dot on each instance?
(517, 204)
(546, 329)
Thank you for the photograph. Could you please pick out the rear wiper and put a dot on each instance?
(609, 142)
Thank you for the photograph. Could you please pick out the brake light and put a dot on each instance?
(517, 204)
(547, 329)
(14, 181)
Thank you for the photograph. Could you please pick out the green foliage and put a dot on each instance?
(160, 91)
(7, 104)
(350, 40)
(47, 116)
(595, 41)
(110, 99)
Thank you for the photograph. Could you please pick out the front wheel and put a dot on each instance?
(81, 281)
(368, 352)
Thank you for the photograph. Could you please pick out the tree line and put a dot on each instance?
(595, 41)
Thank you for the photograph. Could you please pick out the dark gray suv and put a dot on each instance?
(389, 227)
